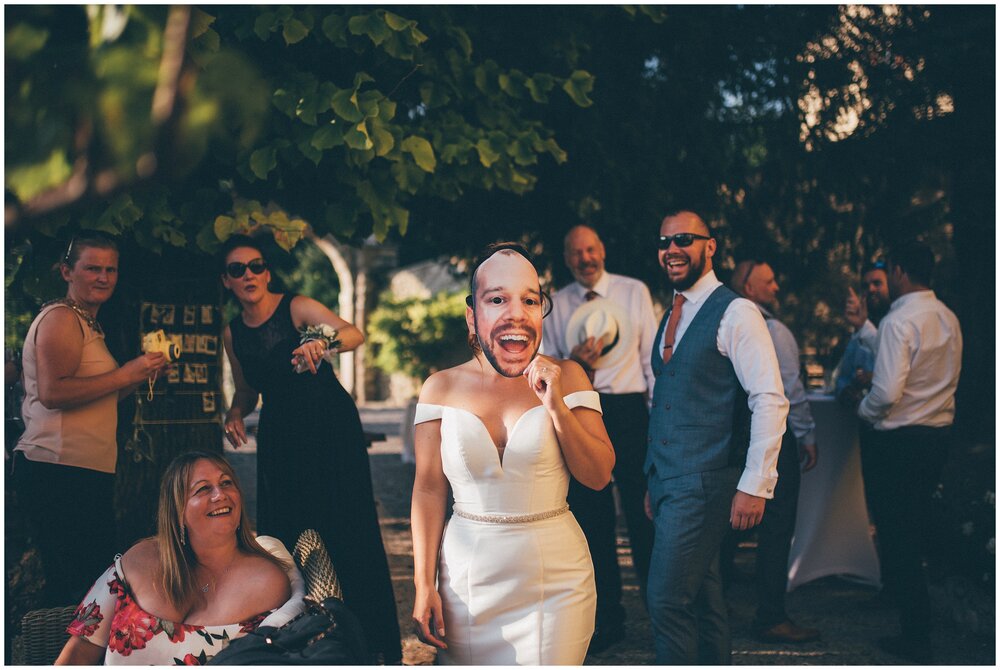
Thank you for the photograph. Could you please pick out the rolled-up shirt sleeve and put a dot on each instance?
(892, 367)
(744, 339)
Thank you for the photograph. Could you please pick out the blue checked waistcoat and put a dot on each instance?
(699, 419)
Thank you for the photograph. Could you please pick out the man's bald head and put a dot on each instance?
(584, 254)
(688, 220)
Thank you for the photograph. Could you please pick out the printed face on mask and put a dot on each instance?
(506, 315)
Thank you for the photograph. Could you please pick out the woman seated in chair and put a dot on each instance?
(180, 596)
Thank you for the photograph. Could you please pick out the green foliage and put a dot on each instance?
(418, 336)
(341, 117)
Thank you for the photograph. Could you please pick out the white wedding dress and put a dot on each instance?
(516, 580)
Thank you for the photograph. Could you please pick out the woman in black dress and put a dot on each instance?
(312, 465)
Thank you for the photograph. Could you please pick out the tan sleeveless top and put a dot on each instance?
(84, 436)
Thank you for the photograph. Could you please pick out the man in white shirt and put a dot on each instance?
(625, 386)
(715, 427)
(754, 280)
(918, 358)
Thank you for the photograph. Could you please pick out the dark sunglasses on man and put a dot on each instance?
(237, 270)
(680, 239)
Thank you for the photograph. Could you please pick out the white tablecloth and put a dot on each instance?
(831, 531)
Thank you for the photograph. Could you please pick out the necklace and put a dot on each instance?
(80, 311)
(212, 583)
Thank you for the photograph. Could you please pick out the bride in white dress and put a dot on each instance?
(510, 581)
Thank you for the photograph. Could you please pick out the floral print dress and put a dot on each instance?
(110, 617)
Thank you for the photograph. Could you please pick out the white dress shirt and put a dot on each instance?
(917, 362)
(743, 339)
(634, 373)
(800, 418)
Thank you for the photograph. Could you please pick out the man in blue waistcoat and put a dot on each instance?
(716, 423)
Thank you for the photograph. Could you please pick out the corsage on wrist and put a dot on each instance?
(324, 333)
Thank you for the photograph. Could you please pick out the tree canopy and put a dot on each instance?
(816, 136)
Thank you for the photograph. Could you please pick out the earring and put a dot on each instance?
(183, 535)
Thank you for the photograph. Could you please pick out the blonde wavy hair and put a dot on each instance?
(177, 559)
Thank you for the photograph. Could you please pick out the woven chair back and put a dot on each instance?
(43, 635)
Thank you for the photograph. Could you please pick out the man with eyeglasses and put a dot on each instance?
(624, 378)
(918, 358)
(755, 280)
(716, 422)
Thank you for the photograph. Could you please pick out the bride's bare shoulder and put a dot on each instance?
(446, 384)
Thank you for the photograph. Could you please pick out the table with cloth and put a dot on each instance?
(832, 531)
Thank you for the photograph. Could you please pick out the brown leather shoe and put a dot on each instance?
(787, 631)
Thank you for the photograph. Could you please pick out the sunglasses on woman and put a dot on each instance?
(237, 270)
(680, 239)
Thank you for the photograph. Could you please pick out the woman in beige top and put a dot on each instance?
(65, 460)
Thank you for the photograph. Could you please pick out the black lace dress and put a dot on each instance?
(313, 472)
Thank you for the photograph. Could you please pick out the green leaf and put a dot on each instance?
(335, 27)
(307, 107)
(263, 161)
(433, 95)
(294, 31)
(327, 137)
(555, 150)
(345, 105)
(539, 86)
(23, 40)
(397, 22)
(368, 103)
(284, 101)
(400, 218)
(522, 151)
(386, 109)
(578, 85)
(370, 25)
(382, 138)
(462, 37)
(422, 151)
(121, 214)
(200, 22)
(361, 78)
(357, 138)
(408, 176)
(265, 25)
(224, 227)
(487, 155)
(27, 181)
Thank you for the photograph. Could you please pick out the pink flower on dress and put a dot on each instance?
(191, 659)
(176, 631)
(131, 628)
(251, 624)
(85, 620)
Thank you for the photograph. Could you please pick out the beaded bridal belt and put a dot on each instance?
(511, 518)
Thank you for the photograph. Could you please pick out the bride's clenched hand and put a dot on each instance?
(545, 379)
(428, 618)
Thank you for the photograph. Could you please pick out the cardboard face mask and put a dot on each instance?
(507, 312)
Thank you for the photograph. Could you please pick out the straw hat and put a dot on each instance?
(601, 318)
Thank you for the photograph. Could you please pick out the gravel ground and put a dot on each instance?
(835, 606)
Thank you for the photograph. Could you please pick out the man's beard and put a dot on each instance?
(492, 357)
(877, 309)
(695, 268)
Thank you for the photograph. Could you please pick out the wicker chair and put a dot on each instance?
(317, 568)
(43, 635)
